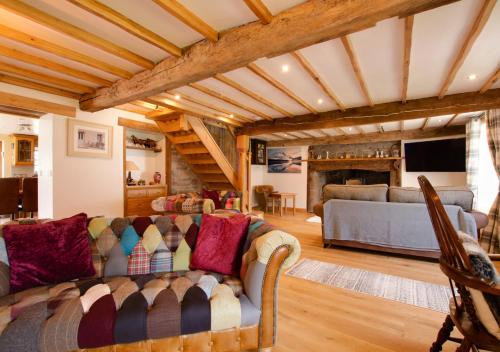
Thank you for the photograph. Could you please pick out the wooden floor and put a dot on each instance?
(315, 317)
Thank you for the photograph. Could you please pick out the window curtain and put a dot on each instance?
(473, 134)
(490, 239)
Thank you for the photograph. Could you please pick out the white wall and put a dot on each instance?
(409, 179)
(296, 183)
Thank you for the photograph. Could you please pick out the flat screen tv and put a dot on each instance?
(442, 155)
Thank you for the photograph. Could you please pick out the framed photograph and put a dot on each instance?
(258, 152)
(286, 160)
(89, 139)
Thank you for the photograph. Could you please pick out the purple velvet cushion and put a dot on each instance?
(213, 195)
(48, 253)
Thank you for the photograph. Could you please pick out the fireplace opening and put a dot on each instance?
(357, 177)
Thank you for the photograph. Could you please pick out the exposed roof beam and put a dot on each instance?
(426, 122)
(38, 86)
(176, 9)
(381, 113)
(356, 68)
(341, 131)
(406, 56)
(58, 50)
(40, 17)
(307, 134)
(260, 10)
(133, 108)
(276, 84)
(317, 78)
(306, 24)
(60, 82)
(372, 137)
(20, 112)
(401, 125)
(491, 81)
(380, 128)
(251, 94)
(231, 101)
(19, 101)
(216, 108)
(323, 133)
(360, 129)
(450, 121)
(134, 28)
(478, 25)
(179, 107)
(151, 107)
(51, 65)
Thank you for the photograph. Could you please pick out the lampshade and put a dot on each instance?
(131, 166)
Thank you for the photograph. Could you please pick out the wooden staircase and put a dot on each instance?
(194, 142)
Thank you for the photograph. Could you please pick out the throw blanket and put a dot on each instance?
(181, 204)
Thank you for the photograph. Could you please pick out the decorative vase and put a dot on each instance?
(157, 178)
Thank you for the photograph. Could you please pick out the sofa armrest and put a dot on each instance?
(318, 210)
(262, 265)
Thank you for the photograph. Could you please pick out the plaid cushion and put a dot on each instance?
(162, 260)
(138, 262)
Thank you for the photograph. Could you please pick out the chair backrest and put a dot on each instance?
(9, 194)
(30, 194)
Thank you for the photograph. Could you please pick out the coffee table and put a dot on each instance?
(282, 196)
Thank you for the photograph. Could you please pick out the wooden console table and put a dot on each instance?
(282, 196)
(138, 199)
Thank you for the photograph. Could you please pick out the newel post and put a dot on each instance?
(242, 144)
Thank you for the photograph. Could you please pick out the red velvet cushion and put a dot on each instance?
(48, 253)
(219, 243)
(213, 195)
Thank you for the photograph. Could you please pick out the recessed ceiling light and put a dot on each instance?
(350, 128)
(285, 68)
(177, 97)
(472, 76)
(440, 120)
(231, 115)
(320, 101)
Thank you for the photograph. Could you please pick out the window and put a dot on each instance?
(487, 178)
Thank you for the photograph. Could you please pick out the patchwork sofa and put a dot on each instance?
(144, 297)
(392, 219)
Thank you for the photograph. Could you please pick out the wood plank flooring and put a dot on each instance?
(316, 317)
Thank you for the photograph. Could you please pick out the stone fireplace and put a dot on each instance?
(351, 164)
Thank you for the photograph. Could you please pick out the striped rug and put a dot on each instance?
(396, 288)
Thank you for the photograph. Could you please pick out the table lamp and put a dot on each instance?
(130, 166)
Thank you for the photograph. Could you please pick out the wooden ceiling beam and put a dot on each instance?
(19, 101)
(372, 137)
(380, 113)
(346, 42)
(450, 121)
(54, 23)
(20, 112)
(216, 108)
(478, 25)
(408, 31)
(56, 81)
(133, 108)
(401, 125)
(278, 85)
(311, 22)
(426, 122)
(176, 9)
(260, 10)
(360, 129)
(60, 51)
(491, 81)
(180, 107)
(99, 9)
(229, 100)
(151, 107)
(38, 86)
(306, 65)
(323, 133)
(51, 65)
(138, 125)
(251, 94)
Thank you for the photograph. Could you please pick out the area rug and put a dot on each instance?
(315, 219)
(417, 293)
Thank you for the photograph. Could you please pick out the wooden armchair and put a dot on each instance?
(457, 266)
(262, 195)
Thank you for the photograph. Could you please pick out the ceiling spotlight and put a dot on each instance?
(231, 115)
(177, 97)
(320, 101)
(472, 76)
(349, 129)
(285, 68)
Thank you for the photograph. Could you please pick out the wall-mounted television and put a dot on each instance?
(446, 155)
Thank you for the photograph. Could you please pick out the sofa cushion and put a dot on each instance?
(374, 193)
(461, 196)
(219, 244)
(48, 253)
(213, 195)
(129, 309)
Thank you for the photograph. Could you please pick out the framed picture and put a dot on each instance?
(258, 152)
(89, 139)
(284, 160)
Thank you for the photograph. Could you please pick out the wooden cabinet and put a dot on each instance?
(138, 199)
(24, 149)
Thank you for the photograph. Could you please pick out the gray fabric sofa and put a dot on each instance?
(391, 219)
